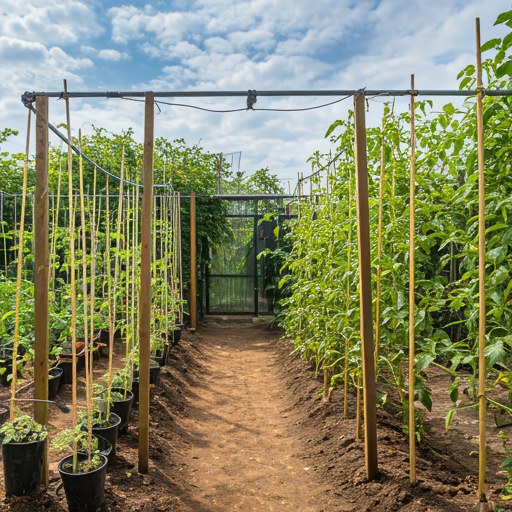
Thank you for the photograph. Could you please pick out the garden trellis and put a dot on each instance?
(41, 264)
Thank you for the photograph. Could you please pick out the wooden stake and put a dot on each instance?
(412, 433)
(481, 269)
(145, 285)
(41, 270)
(365, 278)
(193, 262)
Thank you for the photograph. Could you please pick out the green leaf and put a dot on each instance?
(504, 69)
(449, 109)
(449, 418)
(465, 82)
(494, 353)
(454, 394)
(423, 362)
(443, 120)
(507, 462)
(503, 17)
(426, 400)
(507, 41)
(490, 44)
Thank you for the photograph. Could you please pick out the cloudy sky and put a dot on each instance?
(180, 45)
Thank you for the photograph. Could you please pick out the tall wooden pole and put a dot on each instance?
(193, 262)
(41, 270)
(412, 434)
(481, 269)
(145, 285)
(365, 277)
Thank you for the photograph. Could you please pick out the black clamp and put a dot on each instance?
(27, 98)
(251, 99)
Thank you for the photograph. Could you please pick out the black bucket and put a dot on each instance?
(7, 364)
(135, 390)
(54, 382)
(110, 432)
(22, 467)
(177, 333)
(85, 492)
(123, 407)
(154, 372)
(104, 446)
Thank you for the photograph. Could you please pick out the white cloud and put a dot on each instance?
(57, 22)
(113, 55)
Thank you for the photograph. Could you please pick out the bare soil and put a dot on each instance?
(237, 423)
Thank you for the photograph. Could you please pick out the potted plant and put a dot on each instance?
(23, 442)
(83, 473)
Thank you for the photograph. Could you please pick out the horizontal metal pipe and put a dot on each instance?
(28, 96)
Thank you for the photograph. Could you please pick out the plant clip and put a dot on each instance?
(251, 99)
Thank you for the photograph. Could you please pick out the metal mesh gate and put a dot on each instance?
(235, 283)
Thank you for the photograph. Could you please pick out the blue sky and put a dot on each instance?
(229, 45)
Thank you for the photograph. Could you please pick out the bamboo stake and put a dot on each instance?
(412, 433)
(193, 262)
(18, 277)
(145, 286)
(88, 343)
(41, 271)
(481, 271)
(72, 291)
(93, 261)
(349, 263)
(365, 277)
(358, 408)
(113, 291)
(379, 249)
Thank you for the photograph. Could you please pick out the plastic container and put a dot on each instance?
(123, 407)
(110, 432)
(22, 467)
(54, 382)
(85, 492)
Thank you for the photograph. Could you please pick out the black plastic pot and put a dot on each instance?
(177, 333)
(85, 492)
(135, 390)
(110, 432)
(7, 364)
(154, 372)
(67, 372)
(123, 407)
(104, 446)
(4, 415)
(22, 467)
(161, 355)
(54, 382)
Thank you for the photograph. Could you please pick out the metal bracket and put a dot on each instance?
(27, 98)
(251, 99)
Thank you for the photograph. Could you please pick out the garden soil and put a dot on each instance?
(238, 424)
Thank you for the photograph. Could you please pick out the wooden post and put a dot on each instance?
(481, 269)
(145, 285)
(365, 278)
(193, 262)
(412, 433)
(41, 271)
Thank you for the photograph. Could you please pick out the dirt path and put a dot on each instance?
(245, 453)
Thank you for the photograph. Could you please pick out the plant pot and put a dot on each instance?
(85, 492)
(7, 364)
(4, 415)
(22, 467)
(54, 382)
(110, 432)
(123, 407)
(177, 333)
(104, 446)
(135, 390)
(67, 372)
(154, 372)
